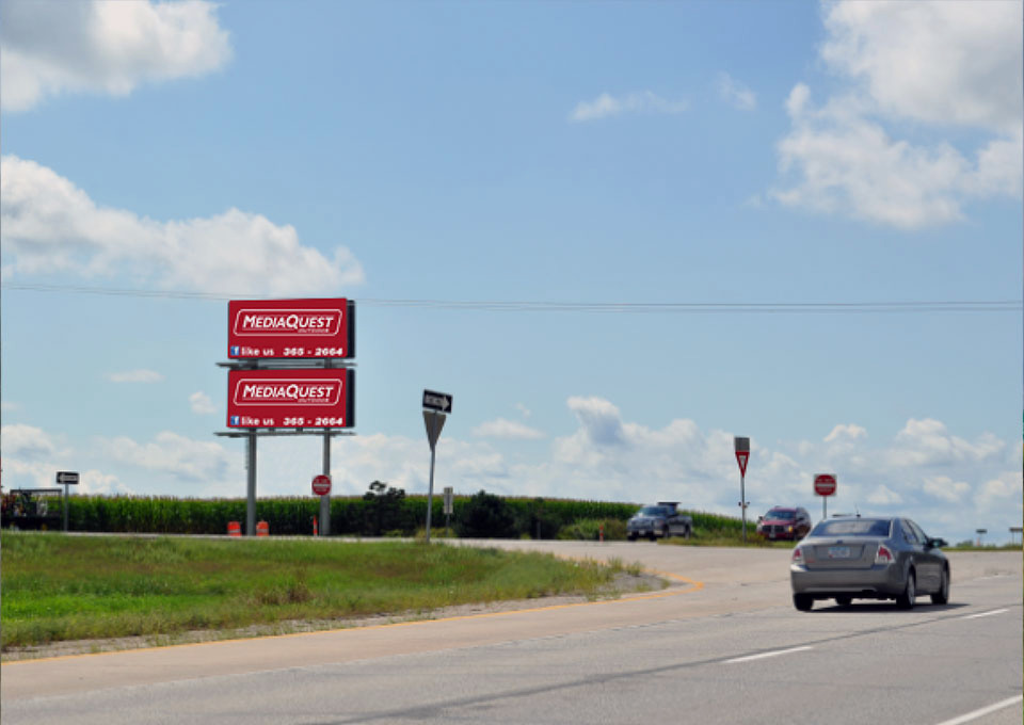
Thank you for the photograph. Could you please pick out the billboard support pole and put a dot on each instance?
(250, 471)
(325, 501)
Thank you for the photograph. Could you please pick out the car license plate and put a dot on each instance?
(839, 552)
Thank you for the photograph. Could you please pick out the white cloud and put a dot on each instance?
(1002, 494)
(735, 93)
(846, 433)
(606, 106)
(507, 430)
(201, 403)
(136, 376)
(26, 442)
(946, 62)
(103, 47)
(49, 225)
(523, 410)
(946, 488)
(9, 406)
(183, 458)
(927, 442)
(926, 66)
(882, 495)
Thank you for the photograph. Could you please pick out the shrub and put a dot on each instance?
(486, 516)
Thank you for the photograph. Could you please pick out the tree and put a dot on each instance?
(383, 511)
(486, 516)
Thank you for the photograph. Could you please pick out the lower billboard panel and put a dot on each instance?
(291, 398)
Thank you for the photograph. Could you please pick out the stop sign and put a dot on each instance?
(825, 484)
(321, 485)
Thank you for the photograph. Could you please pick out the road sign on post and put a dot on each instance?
(434, 403)
(742, 446)
(441, 402)
(321, 485)
(825, 485)
(448, 494)
(67, 478)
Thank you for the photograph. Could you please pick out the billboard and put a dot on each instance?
(313, 328)
(291, 398)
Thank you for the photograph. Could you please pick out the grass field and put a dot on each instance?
(58, 588)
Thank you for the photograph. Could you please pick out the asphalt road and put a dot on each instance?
(722, 645)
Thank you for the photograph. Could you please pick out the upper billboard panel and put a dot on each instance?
(317, 328)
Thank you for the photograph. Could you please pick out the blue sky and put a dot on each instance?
(762, 154)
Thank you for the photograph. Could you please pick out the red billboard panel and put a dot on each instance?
(291, 398)
(318, 328)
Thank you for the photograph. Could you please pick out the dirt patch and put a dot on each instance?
(624, 584)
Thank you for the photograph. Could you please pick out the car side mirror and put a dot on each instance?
(937, 543)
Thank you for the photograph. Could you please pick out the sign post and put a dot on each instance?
(742, 446)
(825, 485)
(435, 405)
(67, 478)
(447, 509)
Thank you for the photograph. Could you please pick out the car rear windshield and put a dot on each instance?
(779, 514)
(855, 527)
(654, 511)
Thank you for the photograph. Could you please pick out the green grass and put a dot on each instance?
(58, 588)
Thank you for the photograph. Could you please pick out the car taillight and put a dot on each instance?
(884, 556)
(798, 555)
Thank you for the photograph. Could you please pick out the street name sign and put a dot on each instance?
(825, 484)
(295, 329)
(291, 398)
(441, 402)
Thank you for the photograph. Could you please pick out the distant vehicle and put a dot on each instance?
(868, 558)
(782, 522)
(662, 519)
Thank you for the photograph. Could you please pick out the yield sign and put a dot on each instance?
(741, 458)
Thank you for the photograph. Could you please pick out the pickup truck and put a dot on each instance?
(660, 519)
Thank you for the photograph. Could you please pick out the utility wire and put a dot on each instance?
(916, 307)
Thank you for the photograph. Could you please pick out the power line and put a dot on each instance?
(914, 307)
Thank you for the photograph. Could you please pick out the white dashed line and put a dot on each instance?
(983, 711)
(763, 655)
(985, 614)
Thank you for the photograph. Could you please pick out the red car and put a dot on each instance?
(782, 522)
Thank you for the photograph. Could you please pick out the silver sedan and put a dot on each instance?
(868, 558)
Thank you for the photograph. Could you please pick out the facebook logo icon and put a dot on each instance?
(235, 420)
(235, 350)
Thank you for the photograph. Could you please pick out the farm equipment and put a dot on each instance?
(31, 509)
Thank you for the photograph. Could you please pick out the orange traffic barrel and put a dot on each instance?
(263, 529)
(234, 528)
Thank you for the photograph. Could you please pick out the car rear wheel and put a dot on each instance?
(942, 596)
(687, 534)
(666, 533)
(632, 537)
(803, 602)
(844, 601)
(906, 599)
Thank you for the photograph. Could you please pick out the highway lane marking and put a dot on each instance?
(692, 586)
(763, 655)
(982, 712)
(985, 614)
